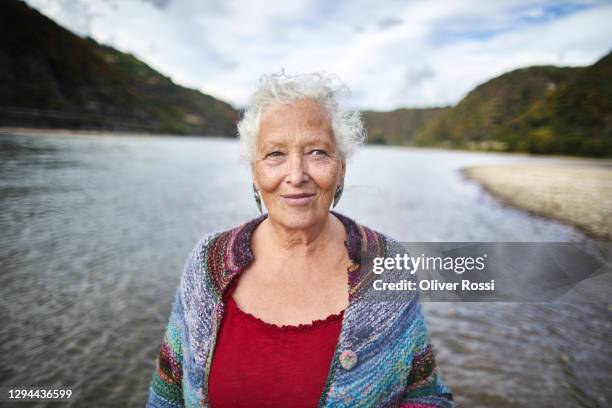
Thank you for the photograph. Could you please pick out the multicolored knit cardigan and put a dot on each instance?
(394, 367)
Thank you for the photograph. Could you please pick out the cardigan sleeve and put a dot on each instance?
(165, 390)
(425, 388)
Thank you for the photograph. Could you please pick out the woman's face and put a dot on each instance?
(297, 166)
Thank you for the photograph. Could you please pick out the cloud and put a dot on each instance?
(389, 22)
(74, 15)
(467, 24)
(159, 3)
(391, 54)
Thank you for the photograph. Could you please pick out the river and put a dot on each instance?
(96, 228)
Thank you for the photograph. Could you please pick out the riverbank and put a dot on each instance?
(71, 132)
(86, 133)
(574, 194)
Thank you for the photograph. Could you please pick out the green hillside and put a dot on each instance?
(398, 127)
(482, 113)
(50, 77)
(537, 110)
(575, 118)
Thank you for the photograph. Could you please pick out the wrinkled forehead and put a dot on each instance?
(299, 122)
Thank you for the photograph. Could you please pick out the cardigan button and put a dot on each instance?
(348, 359)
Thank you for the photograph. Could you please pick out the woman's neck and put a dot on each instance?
(303, 242)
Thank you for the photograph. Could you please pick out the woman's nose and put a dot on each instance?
(297, 169)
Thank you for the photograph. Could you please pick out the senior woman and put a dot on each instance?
(275, 312)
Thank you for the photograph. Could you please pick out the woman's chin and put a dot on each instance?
(299, 217)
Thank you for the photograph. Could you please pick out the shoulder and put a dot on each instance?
(377, 248)
(217, 257)
(364, 241)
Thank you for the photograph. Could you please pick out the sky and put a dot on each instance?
(391, 54)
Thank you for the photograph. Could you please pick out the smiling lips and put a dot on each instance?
(298, 199)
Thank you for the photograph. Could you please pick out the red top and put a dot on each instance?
(260, 364)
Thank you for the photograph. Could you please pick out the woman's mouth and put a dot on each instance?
(298, 199)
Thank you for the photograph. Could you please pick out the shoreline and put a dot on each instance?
(32, 131)
(574, 194)
(27, 131)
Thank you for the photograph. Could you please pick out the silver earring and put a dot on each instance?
(257, 199)
(338, 194)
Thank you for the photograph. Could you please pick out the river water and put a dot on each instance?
(96, 228)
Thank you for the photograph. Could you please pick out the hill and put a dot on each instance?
(50, 77)
(574, 118)
(541, 109)
(398, 127)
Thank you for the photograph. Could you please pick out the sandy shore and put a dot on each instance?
(575, 194)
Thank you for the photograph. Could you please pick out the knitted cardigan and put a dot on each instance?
(393, 360)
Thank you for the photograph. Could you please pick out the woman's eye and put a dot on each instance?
(318, 152)
(275, 154)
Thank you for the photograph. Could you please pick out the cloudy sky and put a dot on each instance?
(390, 53)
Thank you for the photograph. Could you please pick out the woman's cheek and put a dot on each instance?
(328, 173)
(269, 176)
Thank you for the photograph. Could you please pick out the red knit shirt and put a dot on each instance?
(260, 364)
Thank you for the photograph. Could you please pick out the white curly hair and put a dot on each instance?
(323, 88)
